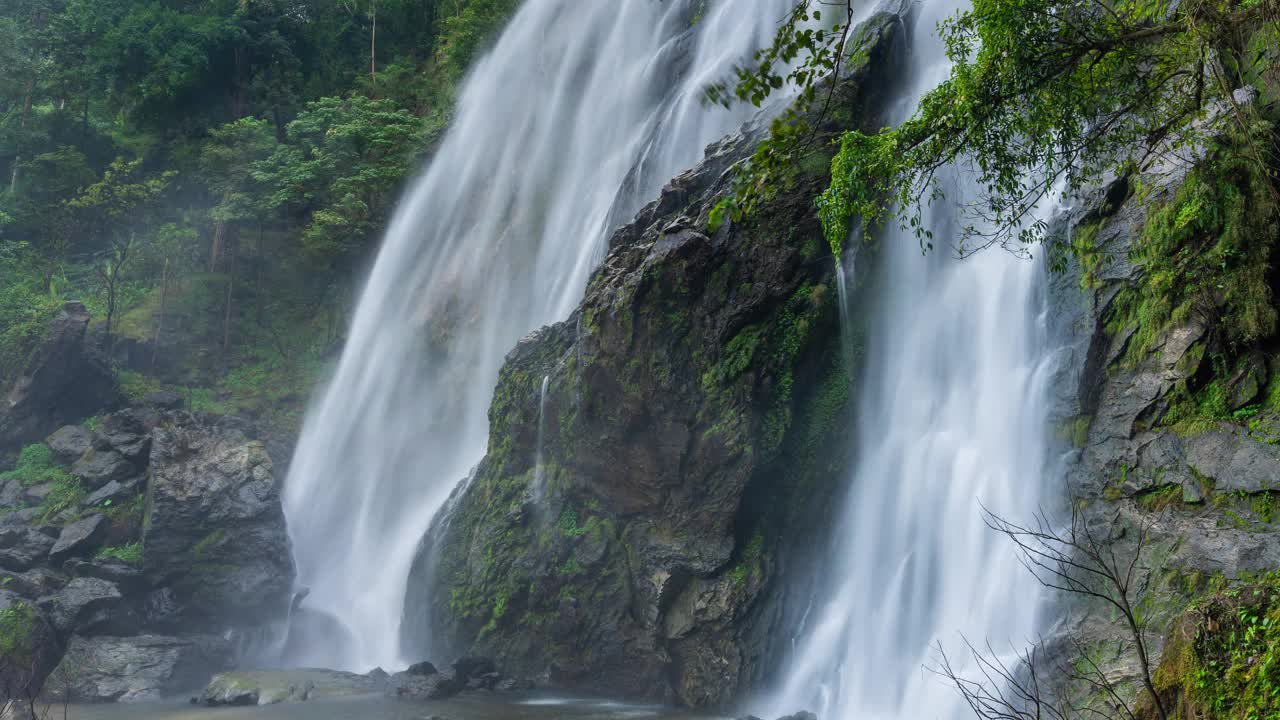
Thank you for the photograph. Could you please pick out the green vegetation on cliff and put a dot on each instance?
(1038, 92)
(1222, 658)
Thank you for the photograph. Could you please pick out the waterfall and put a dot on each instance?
(539, 472)
(952, 413)
(576, 117)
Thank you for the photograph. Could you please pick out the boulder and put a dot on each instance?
(134, 669)
(268, 687)
(116, 491)
(1234, 460)
(68, 443)
(125, 576)
(64, 380)
(36, 494)
(23, 547)
(34, 583)
(127, 432)
(466, 668)
(421, 669)
(215, 532)
(11, 494)
(435, 686)
(33, 643)
(81, 537)
(97, 467)
(91, 606)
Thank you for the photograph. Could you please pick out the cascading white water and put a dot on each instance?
(579, 114)
(952, 414)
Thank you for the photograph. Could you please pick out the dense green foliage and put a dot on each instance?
(1223, 658)
(1040, 90)
(218, 170)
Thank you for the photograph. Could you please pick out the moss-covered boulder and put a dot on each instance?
(654, 459)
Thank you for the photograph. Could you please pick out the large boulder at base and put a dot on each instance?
(215, 531)
(134, 669)
(268, 687)
(63, 381)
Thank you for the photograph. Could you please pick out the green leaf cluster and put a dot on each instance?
(1039, 91)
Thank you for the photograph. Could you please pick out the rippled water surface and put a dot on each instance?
(379, 708)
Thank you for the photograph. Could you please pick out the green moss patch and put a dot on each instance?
(1222, 658)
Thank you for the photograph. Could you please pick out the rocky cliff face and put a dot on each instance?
(1176, 429)
(133, 551)
(624, 533)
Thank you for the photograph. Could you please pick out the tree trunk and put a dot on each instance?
(259, 314)
(215, 244)
(226, 319)
(109, 338)
(373, 50)
(22, 125)
(164, 295)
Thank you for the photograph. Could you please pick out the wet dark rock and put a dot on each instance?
(435, 686)
(10, 494)
(98, 467)
(421, 669)
(467, 668)
(161, 608)
(91, 606)
(802, 715)
(140, 668)
(36, 494)
(23, 547)
(68, 443)
(484, 681)
(124, 575)
(215, 531)
(79, 538)
(34, 583)
(64, 380)
(378, 674)
(115, 491)
(127, 432)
